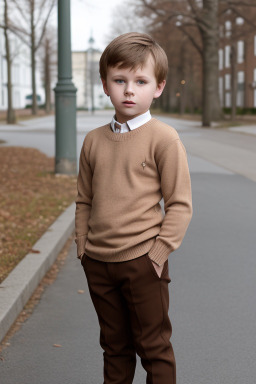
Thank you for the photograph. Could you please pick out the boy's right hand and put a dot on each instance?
(159, 269)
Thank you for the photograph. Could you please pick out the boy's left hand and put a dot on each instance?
(159, 269)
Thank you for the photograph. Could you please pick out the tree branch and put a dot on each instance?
(21, 10)
(240, 3)
(44, 25)
(152, 8)
(239, 14)
(20, 34)
(40, 11)
(193, 41)
(194, 8)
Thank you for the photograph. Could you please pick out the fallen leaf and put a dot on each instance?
(80, 291)
(4, 214)
(57, 345)
(34, 250)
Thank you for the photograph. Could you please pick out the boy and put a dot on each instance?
(123, 241)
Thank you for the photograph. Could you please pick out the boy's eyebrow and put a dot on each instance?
(137, 76)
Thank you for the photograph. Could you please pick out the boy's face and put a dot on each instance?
(132, 91)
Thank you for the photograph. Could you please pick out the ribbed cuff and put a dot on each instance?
(159, 252)
(80, 242)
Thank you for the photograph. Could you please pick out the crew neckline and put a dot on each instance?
(115, 136)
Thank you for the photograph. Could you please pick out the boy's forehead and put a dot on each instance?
(149, 62)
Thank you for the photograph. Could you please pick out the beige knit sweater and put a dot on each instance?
(122, 178)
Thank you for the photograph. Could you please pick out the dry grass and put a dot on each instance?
(23, 114)
(31, 198)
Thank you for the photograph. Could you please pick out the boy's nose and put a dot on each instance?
(128, 90)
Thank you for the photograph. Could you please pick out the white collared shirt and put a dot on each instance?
(131, 124)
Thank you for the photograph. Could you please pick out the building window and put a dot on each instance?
(254, 98)
(228, 28)
(240, 77)
(240, 89)
(240, 51)
(221, 90)
(254, 75)
(227, 56)
(227, 82)
(220, 59)
(255, 45)
(227, 100)
(239, 21)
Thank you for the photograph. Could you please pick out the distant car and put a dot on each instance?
(29, 100)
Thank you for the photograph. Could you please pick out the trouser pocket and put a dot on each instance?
(165, 271)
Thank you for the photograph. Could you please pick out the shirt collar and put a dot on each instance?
(133, 123)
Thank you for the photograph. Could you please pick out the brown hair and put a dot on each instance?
(131, 50)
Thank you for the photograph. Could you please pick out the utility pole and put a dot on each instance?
(65, 97)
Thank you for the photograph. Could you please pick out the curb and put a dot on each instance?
(19, 285)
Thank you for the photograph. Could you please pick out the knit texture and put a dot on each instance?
(121, 180)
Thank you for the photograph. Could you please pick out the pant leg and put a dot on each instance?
(115, 336)
(147, 296)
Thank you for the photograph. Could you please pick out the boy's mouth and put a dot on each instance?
(128, 102)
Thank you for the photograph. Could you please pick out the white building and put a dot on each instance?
(21, 74)
(90, 94)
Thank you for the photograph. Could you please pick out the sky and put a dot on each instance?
(91, 16)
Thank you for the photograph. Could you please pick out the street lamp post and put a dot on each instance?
(65, 97)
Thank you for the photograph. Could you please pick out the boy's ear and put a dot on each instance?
(104, 83)
(159, 89)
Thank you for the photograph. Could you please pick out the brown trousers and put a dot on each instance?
(132, 302)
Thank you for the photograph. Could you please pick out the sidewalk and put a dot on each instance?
(246, 129)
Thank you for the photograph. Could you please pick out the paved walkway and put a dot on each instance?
(212, 293)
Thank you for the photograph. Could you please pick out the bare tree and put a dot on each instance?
(48, 59)
(29, 24)
(11, 118)
(128, 21)
(195, 17)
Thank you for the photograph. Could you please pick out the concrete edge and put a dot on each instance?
(20, 284)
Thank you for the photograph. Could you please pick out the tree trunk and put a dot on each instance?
(47, 77)
(233, 80)
(33, 61)
(11, 118)
(210, 39)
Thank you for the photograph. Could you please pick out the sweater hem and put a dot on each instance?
(129, 254)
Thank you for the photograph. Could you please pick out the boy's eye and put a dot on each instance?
(119, 81)
(141, 82)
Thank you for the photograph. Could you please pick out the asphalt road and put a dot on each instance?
(212, 293)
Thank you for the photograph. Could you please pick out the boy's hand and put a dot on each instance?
(159, 269)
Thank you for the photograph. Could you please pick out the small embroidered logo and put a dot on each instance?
(143, 164)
